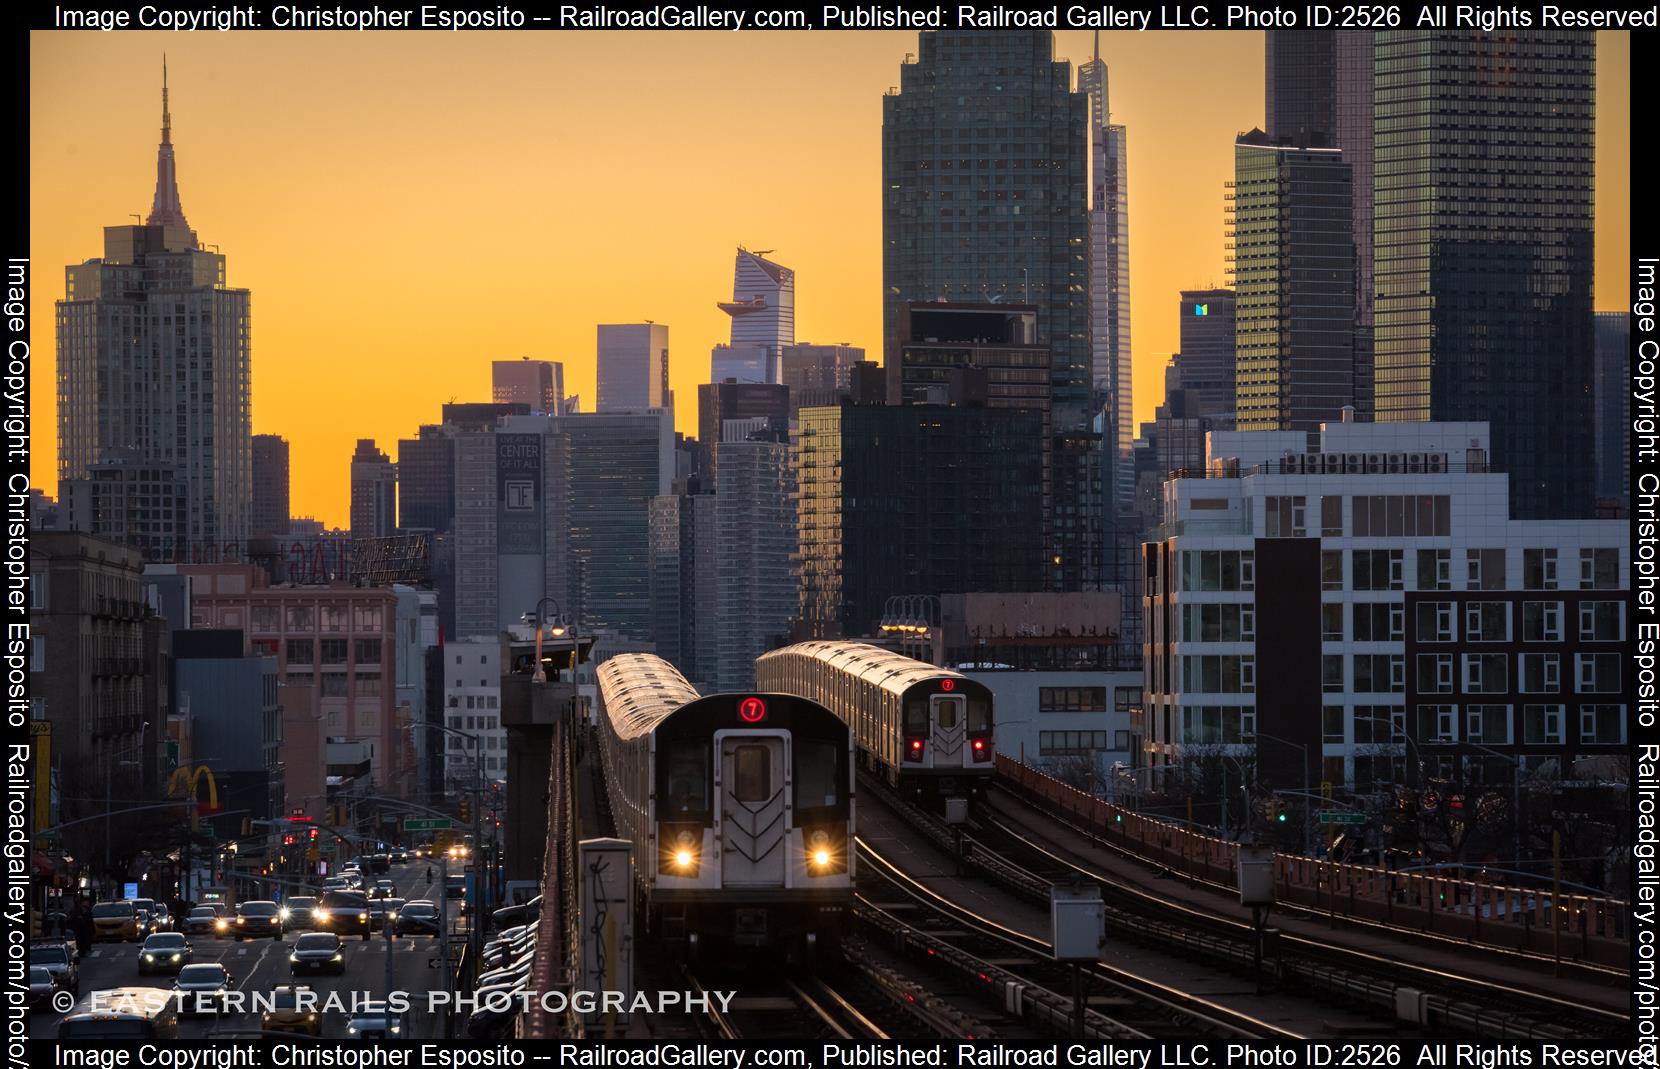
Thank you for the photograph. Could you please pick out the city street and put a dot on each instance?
(262, 964)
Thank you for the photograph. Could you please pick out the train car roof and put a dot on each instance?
(639, 690)
(891, 671)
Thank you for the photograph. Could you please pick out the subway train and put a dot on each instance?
(927, 731)
(740, 808)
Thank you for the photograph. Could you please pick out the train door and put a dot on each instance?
(950, 730)
(751, 820)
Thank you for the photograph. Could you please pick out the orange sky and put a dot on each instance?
(407, 207)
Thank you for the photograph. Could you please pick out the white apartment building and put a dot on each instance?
(472, 703)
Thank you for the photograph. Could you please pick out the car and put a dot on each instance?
(494, 1016)
(257, 918)
(343, 913)
(384, 889)
(382, 909)
(400, 856)
(379, 863)
(205, 987)
(334, 883)
(161, 918)
(146, 908)
(163, 952)
(117, 921)
(58, 959)
(317, 952)
(293, 1009)
(41, 988)
(296, 914)
(354, 880)
(206, 920)
(455, 885)
(374, 1021)
(524, 913)
(419, 917)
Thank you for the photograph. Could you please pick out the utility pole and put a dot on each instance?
(444, 937)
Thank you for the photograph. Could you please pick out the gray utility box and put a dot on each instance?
(1077, 921)
(1256, 875)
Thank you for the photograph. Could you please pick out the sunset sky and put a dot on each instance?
(407, 207)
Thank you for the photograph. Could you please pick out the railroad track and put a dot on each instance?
(1161, 1011)
(1504, 1012)
(797, 1005)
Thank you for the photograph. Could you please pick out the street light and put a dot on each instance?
(557, 628)
(915, 617)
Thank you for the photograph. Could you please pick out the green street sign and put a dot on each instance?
(1340, 816)
(426, 823)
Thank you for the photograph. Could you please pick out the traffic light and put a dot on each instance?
(313, 834)
(466, 809)
(288, 840)
(247, 825)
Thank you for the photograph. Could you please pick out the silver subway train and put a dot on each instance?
(740, 808)
(924, 729)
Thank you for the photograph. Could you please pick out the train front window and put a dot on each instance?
(916, 718)
(751, 773)
(979, 716)
(688, 782)
(815, 773)
(946, 713)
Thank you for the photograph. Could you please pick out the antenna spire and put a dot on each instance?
(166, 210)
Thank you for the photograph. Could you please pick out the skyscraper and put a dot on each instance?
(426, 479)
(1612, 384)
(1299, 78)
(1109, 271)
(985, 196)
(1294, 280)
(154, 374)
(1206, 363)
(1483, 260)
(718, 402)
(633, 367)
(270, 474)
(755, 588)
(817, 374)
(762, 309)
(374, 492)
(537, 383)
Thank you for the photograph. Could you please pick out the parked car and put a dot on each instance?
(164, 952)
(317, 952)
(287, 1015)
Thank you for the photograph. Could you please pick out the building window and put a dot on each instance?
(367, 618)
(1126, 699)
(1488, 725)
(1331, 622)
(1486, 673)
(1541, 725)
(1379, 621)
(1218, 623)
(1435, 673)
(1487, 621)
(265, 618)
(1393, 516)
(1331, 569)
(1218, 569)
(1287, 517)
(333, 685)
(1377, 673)
(1434, 569)
(1539, 569)
(1331, 517)
(1377, 569)
(331, 618)
(1071, 743)
(37, 653)
(1484, 569)
(1331, 673)
(1217, 724)
(1601, 621)
(301, 651)
(1541, 673)
(472, 702)
(1438, 723)
(1331, 723)
(1435, 621)
(1599, 569)
(1542, 621)
(334, 650)
(1378, 724)
(1602, 725)
(300, 618)
(367, 650)
(1599, 673)
(1219, 674)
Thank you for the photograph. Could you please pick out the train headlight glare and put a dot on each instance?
(821, 857)
(683, 858)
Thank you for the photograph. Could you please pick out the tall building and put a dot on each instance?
(762, 308)
(755, 528)
(985, 194)
(1612, 385)
(538, 384)
(817, 374)
(913, 499)
(374, 492)
(1299, 76)
(512, 491)
(633, 367)
(681, 562)
(270, 473)
(426, 480)
(618, 463)
(1294, 284)
(1109, 271)
(154, 372)
(1369, 598)
(1484, 247)
(741, 363)
(1206, 362)
(719, 402)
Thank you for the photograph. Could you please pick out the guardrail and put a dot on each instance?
(1594, 929)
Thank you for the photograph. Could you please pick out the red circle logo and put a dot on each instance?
(948, 684)
(753, 710)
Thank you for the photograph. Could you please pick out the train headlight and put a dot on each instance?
(683, 859)
(821, 857)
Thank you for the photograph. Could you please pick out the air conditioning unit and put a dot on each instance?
(1375, 463)
(1437, 462)
(1396, 463)
(1415, 462)
(1354, 463)
(1332, 463)
(1292, 464)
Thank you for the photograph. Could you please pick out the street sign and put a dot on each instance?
(426, 823)
(1339, 816)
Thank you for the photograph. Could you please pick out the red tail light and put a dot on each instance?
(981, 749)
(914, 751)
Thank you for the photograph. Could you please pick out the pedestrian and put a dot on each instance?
(83, 932)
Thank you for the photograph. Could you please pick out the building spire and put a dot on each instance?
(166, 210)
(164, 63)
